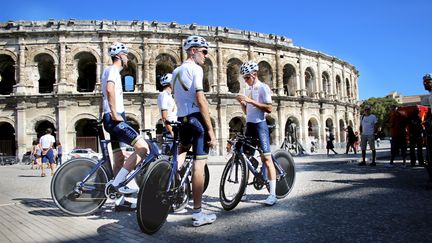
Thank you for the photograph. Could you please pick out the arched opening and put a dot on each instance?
(326, 83)
(86, 134)
(289, 81)
(292, 126)
(7, 74)
(236, 125)
(234, 77)
(265, 73)
(46, 70)
(329, 123)
(7, 139)
(338, 86)
(86, 71)
(208, 74)
(342, 130)
(313, 128)
(310, 82)
(164, 64)
(129, 74)
(133, 123)
(348, 88)
(42, 126)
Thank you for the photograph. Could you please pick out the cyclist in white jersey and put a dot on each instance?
(114, 119)
(255, 103)
(193, 112)
(166, 104)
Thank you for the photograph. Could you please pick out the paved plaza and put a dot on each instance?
(333, 200)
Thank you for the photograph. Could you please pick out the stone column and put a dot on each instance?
(223, 125)
(279, 74)
(146, 66)
(333, 83)
(20, 87)
(62, 125)
(138, 82)
(280, 135)
(301, 77)
(320, 88)
(20, 124)
(61, 85)
(221, 70)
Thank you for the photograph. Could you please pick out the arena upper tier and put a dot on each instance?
(50, 77)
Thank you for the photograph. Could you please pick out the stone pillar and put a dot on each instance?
(333, 83)
(146, 66)
(62, 85)
(320, 88)
(301, 79)
(322, 127)
(20, 127)
(222, 133)
(62, 125)
(280, 135)
(221, 70)
(20, 87)
(251, 54)
(138, 82)
(279, 74)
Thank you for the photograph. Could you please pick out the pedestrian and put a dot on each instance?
(357, 140)
(59, 153)
(329, 139)
(47, 144)
(351, 140)
(35, 155)
(255, 103)
(114, 122)
(368, 123)
(193, 113)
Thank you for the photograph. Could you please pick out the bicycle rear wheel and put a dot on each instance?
(82, 201)
(285, 184)
(233, 183)
(153, 204)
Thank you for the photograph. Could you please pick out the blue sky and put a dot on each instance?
(389, 42)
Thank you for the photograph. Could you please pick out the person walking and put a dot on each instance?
(35, 155)
(329, 141)
(367, 129)
(193, 112)
(351, 140)
(59, 153)
(47, 144)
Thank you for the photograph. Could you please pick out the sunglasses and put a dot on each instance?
(204, 51)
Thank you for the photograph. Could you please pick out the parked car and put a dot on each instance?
(86, 153)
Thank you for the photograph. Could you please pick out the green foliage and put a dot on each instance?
(381, 109)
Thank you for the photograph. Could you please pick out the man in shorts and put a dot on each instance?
(255, 103)
(47, 144)
(114, 120)
(193, 112)
(367, 128)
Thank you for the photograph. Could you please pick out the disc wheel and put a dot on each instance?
(74, 200)
(233, 183)
(153, 204)
(285, 183)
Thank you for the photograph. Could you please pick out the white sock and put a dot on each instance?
(272, 187)
(121, 176)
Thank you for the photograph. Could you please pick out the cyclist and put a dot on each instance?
(114, 119)
(166, 103)
(255, 103)
(193, 112)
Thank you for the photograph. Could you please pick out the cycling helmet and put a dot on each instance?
(195, 41)
(427, 76)
(165, 79)
(248, 68)
(116, 48)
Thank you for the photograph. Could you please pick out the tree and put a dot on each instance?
(381, 109)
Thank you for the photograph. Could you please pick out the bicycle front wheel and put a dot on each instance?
(285, 183)
(71, 198)
(153, 203)
(233, 183)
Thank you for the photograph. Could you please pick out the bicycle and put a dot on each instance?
(79, 186)
(161, 189)
(235, 175)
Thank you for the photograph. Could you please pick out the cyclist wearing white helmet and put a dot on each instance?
(255, 103)
(166, 103)
(114, 119)
(193, 111)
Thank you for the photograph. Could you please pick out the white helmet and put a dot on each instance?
(116, 48)
(427, 76)
(195, 41)
(165, 79)
(248, 68)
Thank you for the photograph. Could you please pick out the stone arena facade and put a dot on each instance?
(50, 77)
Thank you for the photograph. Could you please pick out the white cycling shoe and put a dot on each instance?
(201, 218)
